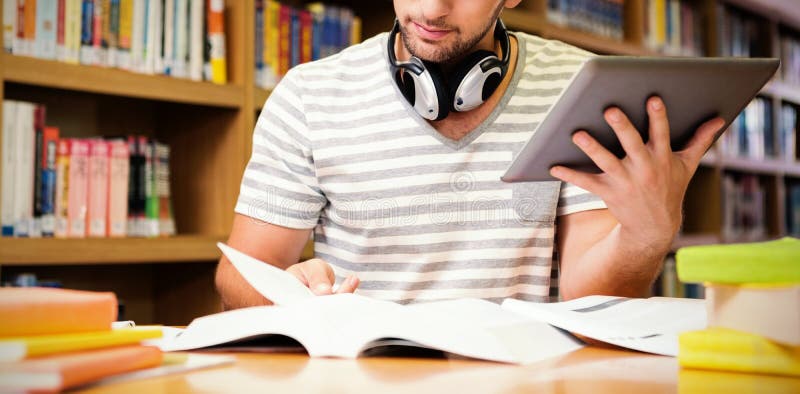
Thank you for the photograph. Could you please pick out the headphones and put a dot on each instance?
(472, 81)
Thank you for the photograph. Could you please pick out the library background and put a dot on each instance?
(126, 129)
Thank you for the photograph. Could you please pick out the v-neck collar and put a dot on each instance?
(483, 126)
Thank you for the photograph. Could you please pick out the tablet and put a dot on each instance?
(694, 90)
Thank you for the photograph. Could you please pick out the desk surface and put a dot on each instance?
(590, 369)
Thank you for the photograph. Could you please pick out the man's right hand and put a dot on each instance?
(318, 276)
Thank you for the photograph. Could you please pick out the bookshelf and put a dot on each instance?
(209, 128)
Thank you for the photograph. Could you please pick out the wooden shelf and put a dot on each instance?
(785, 91)
(52, 251)
(52, 74)
(537, 24)
(260, 97)
(767, 166)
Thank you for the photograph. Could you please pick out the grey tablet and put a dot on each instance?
(694, 90)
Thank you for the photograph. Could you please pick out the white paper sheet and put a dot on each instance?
(649, 325)
(277, 285)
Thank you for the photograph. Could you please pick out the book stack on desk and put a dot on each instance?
(753, 303)
(54, 339)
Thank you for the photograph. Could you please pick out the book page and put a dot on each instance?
(277, 285)
(649, 325)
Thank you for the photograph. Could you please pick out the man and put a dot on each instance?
(406, 203)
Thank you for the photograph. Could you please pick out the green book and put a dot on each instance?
(773, 262)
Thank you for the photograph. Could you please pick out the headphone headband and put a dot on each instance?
(471, 82)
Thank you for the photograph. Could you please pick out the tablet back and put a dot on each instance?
(694, 90)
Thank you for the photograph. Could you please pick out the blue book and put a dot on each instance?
(259, 50)
(87, 19)
(294, 39)
(46, 22)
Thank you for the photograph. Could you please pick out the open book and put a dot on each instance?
(350, 325)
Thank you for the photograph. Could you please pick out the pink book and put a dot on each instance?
(78, 188)
(119, 157)
(98, 188)
(62, 188)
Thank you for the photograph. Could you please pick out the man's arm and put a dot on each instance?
(279, 246)
(593, 260)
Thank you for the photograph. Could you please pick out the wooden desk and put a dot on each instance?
(590, 369)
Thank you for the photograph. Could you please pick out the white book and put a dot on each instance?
(196, 36)
(46, 24)
(158, 52)
(9, 24)
(179, 63)
(26, 141)
(350, 325)
(153, 36)
(9, 150)
(169, 36)
(138, 29)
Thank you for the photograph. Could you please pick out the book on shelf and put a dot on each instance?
(787, 135)
(743, 207)
(288, 36)
(739, 33)
(753, 134)
(72, 187)
(790, 58)
(603, 17)
(152, 37)
(793, 209)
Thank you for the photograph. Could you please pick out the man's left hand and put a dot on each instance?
(644, 191)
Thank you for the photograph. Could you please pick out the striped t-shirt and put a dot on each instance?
(415, 215)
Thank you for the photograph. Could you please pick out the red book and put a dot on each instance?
(305, 36)
(64, 371)
(284, 39)
(27, 311)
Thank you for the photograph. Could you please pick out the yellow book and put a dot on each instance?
(716, 382)
(736, 351)
(19, 348)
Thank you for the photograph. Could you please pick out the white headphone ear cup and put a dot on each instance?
(466, 84)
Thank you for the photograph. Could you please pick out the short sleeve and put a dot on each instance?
(280, 184)
(573, 199)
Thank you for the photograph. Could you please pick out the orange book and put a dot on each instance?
(28, 311)
(63, 371)
(216, 41)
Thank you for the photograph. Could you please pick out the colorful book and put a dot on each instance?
(62, 189)
(29, 27)
(762, 262)
(15, 349)
(63, 371)
(98, 188)
(151, 207)
(736, 351)
(38, 126)
(48, 193)
(87, 32)
(271, 44)
(72, 31)
(125, 37)
(119, 172)
(46, 24)
(78, 188)
(28, 311)
(216, 41)
(284, 39)
(7, 181)
(61, 47)
(166, 222)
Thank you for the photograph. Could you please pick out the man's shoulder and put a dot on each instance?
(350, 63)
(537, 45)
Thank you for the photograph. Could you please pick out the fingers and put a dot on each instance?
(318, 275)
(659, 125)
(588, 182)
(701, 141)
(604, 159)
(349, 285)
(626, 133)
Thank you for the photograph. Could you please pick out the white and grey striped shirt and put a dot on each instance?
(415, 215)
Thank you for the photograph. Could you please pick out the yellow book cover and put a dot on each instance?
(19, 348)
(718, 382)
(271, 43)
(661, 21)
(736, 351)
(355, 31)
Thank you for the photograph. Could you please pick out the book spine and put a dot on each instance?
(9, 151)
(355, 37)
(318, 19)
(30, 28)
(61, 20)
(72, 33)
(151, 197)
(38, 127)
(158, 53)
(46, 23)
(98, 188)
(169, 36)
(62, 189)
(216, 39)
(138, 28)
(181, 60)
(9, 25)
(284, 39)
(196, 39)
(18, 45)
(113, 24)
(152, 36)
(166, 224)
(133, 186)
(271, 43)
(48, 198)
(259, 42)
(23, 200)
(87, 31)
(142, 146)
(78, 188)
(97, 32)
(294, 39)
(125, 34)
(119, 163)
(305, 36)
